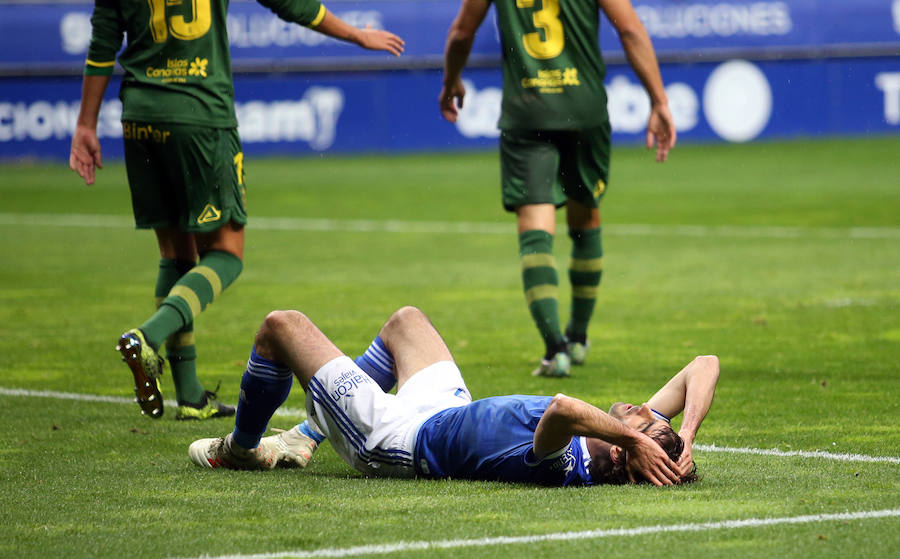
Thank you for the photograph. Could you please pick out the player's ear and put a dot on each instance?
(616, 454)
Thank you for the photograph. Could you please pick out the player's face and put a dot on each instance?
(639, 418)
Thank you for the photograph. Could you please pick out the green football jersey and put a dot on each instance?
(177, 62)
(552, 67)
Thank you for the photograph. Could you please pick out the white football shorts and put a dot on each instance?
(371, 430)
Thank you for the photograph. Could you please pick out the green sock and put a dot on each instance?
(182, 356)
(191, 294)
(541, 285)
(181, 352)
(585, 270)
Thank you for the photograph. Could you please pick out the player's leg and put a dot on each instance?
(210, 205)
(412, 342)
(297, 445)
(287, 344)
(198, 162)
(529, 164)
(583, 173)
(585, 272)
(220, 262)
(145, 164)
(178, 251)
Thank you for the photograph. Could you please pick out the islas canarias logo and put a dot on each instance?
(178, 69)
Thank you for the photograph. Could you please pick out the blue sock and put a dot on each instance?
(310, 432)
(378, 363)
(264, 386)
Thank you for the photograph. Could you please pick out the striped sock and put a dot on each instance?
(191, 295)
(181, 351)
(585, 271)
(541, 285)
(378, 363)
(307, 430)
(264, 387)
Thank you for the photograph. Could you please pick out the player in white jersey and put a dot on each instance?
(432, 428)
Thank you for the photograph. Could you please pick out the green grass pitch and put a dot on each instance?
(781, 258)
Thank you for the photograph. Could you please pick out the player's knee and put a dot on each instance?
(709, 363)
(708, 360)
(405, 317)
(276, 324)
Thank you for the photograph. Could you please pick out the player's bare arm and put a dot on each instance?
(456, 53)
(641, 56)
(692, 390)
(566, 417)
(368, 38)
(85, 154)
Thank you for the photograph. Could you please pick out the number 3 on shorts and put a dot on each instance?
(547, 18)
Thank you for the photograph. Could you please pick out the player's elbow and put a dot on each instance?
(560, 409)
(629, 28)
(461, 34)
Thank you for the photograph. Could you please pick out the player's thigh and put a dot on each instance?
(372, 431)
(529, 162)
(208, 162)
(153, 196)
(584, 165)
(436, 387)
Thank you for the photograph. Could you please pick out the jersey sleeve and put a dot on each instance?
(570, 465)
(305, 12)
(107, 31)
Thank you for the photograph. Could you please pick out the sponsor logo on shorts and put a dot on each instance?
(599, 188)
(344, 385)
(209, 214)
(134, 131)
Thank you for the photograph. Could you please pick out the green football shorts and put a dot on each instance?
(184, 176)
(551, 166)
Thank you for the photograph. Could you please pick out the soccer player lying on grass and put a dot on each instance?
(432, 428)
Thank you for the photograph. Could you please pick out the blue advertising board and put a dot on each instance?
(838, 73)
(736, 101)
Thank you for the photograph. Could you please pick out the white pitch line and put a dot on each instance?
(284, 412)
(799, 453)
(291, 412)
(385, 549)
(472, 227)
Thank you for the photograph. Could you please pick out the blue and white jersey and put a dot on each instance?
(492, 439)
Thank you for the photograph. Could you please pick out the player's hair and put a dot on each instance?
(606, 472)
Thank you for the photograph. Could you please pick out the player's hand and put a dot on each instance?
(661, 128)
(686, 461)
(378, 39)
(85, 154)
(451, 100)
(649, 460)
